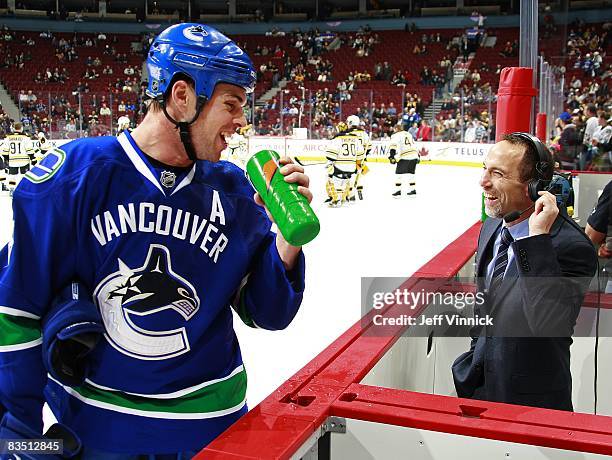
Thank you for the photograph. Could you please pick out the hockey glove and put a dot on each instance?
(392, 159)
(71, 330)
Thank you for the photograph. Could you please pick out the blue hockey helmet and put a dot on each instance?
(202, 53)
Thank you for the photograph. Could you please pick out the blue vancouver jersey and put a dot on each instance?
(166, 256)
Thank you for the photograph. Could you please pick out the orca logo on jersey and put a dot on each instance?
(144, 291)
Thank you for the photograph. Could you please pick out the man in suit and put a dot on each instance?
(533, 291)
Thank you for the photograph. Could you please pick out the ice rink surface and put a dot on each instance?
(379, 236)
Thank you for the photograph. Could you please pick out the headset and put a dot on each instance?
(547, 180)
(544, 174)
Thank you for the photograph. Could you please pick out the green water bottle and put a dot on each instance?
(293, 215)
(483, 213)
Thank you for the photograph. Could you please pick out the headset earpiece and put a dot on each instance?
(541, 181)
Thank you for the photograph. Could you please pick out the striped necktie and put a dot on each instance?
(501, 261)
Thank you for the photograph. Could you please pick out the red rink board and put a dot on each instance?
(329, 386)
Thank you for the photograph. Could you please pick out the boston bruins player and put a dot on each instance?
(3, 166)
(123, 124)
(238, 146)
(345, 156)
(403, 153)
(17, 152)
(355, 125)
(42, 146)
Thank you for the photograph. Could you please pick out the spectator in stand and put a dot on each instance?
(450, 125)
(601, 145)
(32, 97)
(470, 132)
(424, 131)
(587, 66)
(591, 125)
(413, 129)
(569, 142)
(507, 51)
(387, 71)
(597, 62)
(105, 110)
(480, 131)
(399, 79)
(410, 118)
(378, 71)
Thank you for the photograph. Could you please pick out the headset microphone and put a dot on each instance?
(512, 216)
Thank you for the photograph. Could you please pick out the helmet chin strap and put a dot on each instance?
(183, 126)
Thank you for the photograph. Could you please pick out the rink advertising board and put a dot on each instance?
(314, 149)
(434, 152)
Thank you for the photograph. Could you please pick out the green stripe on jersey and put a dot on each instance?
(218, 396)
(17, 330)
(46, 168)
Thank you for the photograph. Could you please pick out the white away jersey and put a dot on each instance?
(403, 144)
(17, 148)
(238, 149)
(345, 150)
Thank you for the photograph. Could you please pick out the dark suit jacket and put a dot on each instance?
(525, 357)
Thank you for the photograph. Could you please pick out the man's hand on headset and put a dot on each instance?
(544, 214)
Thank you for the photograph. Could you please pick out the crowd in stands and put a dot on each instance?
(465, 116)
(326, 103)
(68, 99)
(583, 131)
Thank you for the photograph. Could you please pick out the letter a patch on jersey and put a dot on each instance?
(46, 168)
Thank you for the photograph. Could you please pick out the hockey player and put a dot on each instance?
(3, 174)
(238, 147)
(330, 188)
(42, 147)
(123, 124)
(17, 152)
(356, 126)
(168, 240)
(403, 153)
(345, 155)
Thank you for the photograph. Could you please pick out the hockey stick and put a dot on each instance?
(302, 163)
